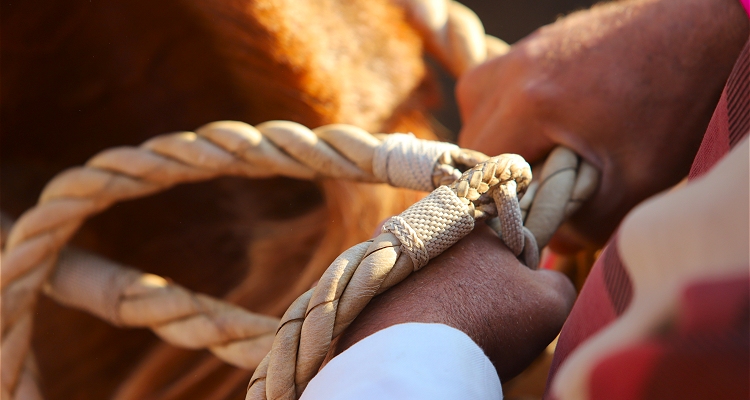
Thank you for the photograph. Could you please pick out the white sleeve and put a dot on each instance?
(408, 361)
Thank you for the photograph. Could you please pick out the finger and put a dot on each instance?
(558, 288)
(509, 128)
(471, 87)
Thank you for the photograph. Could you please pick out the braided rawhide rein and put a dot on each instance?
(127, 297)
(407, 243)
(456, 36)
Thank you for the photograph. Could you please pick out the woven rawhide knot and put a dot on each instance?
(492, 189)
(402, 160)
(484, 188)
(474, 186)
(431, 226)
(452, 164)
(407, 243)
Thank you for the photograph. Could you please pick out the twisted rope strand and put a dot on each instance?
(453, 33)
(220, 148)
(456, 36)
(565, 183)
(431, 225)
(127, 297)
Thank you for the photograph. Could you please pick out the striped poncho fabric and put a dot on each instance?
(706, 353)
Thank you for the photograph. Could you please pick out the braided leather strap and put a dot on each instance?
(451, 31)
(455, 35)
(33, 245)
(408, 241)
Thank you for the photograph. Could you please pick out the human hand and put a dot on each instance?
(630, 86)
(479, 287)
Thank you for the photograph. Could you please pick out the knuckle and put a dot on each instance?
(537, 93)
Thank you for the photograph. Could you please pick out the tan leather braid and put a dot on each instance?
(453, 33)
(431, 225)
(220, 148)
(564, 184)
(230, 148)
(130, 298)
(127, 297)
(456, 36)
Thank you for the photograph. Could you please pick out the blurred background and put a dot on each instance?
(510, 21)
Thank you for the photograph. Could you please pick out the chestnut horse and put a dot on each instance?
(81, 76)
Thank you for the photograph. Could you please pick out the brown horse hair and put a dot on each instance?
(79, 77)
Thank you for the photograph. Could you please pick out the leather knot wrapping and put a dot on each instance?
(407, 243)
(431, 226)
(280, 148)
(402, 160)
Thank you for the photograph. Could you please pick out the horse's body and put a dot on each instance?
(81, 77)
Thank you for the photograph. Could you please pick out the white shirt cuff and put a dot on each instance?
(408, 361)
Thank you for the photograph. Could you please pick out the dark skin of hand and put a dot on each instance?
(512, 312)
(631, 87)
